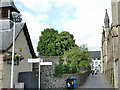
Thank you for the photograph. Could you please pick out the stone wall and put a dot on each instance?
(48, 80)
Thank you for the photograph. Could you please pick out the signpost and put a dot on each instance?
(40, 61)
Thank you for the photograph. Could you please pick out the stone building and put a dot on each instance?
(96, 61)
(22, 40)
(111, 45)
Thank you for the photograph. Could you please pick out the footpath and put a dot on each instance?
(97, 82)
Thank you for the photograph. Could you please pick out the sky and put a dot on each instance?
(82, 18)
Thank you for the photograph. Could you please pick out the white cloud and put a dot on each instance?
(42, 17)
(34, 27)
(37, 5)
(60, 3)
(87, 27)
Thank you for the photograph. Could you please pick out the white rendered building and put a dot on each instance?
(96, 61)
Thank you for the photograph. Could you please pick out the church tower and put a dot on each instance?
(6, 9)
(105, 33)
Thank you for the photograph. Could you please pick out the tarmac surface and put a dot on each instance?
(98, 81)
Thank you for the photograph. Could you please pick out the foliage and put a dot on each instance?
(79, 57)
(46, 45)
(64, 42)
(19, 57)
(53, 44)
(82, 72)
(66, 68)
(59, 70)
(8, 57)
(74, 69)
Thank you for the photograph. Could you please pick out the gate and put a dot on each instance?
(30, 79)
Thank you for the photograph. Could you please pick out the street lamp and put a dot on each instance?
(15, 15)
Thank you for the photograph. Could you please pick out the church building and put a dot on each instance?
(111, 45)
(23, 45)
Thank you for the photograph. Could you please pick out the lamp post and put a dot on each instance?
(14, 15)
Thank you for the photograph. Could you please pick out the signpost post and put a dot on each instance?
(40, 61)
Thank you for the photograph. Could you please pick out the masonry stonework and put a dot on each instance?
(48, 80)
(111, 46)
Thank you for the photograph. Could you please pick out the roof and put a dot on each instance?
(96, 54)
(7, 36)
(7, 3)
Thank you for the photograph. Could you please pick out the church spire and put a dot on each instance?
(106, 20)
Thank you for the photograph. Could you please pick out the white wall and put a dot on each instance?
(96, 64)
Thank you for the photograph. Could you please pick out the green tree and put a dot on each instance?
(46, 45)
(79, 57)
(53, 44)
(64, 42)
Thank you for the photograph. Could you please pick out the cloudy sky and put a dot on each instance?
(82, 18)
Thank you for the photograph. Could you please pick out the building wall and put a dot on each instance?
(115, 55)
(1, 70)
(22, 67)
(110, 56)
(119, 57)
(96, 64)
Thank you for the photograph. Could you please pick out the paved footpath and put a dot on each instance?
(98, 81)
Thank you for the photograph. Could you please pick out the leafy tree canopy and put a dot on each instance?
(53, 44)
(46, 46)
(64, 42)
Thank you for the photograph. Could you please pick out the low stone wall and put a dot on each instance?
(50, 81)
(56, 82)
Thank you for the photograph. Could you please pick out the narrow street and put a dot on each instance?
(98, 81)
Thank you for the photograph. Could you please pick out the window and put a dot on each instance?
(96, 63)
(4, 13)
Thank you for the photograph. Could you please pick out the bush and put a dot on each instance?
(59, 70)
(74, 69)
(66, 68)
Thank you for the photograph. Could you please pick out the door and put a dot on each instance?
(30, 79)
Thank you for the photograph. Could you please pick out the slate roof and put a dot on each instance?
(7, 3)
(96, 54)
(6, 37)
